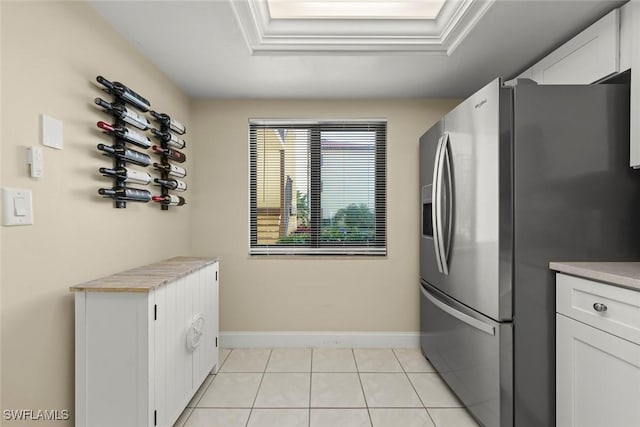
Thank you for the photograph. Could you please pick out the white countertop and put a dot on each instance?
(625, 274)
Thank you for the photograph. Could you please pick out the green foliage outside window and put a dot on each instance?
(351, 224)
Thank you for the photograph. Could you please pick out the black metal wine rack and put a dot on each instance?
(164, 160)
(121, 144)
(165, 128)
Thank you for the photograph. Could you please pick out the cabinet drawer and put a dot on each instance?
(579, 298)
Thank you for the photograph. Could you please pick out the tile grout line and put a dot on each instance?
(364, 395)
(310, 387)
(258, 389)
(184, 424)
(195, 405)
(414, 388)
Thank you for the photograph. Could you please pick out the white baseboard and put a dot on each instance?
(320, 339)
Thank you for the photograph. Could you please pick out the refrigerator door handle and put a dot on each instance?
(438, 232)
(435, 203)
(478, 324)
(445, 220)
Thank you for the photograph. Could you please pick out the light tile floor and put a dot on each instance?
(324, 387)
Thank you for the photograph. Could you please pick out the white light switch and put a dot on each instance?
(17, 207)
(20, 206)
(34, 158)
(51, 132)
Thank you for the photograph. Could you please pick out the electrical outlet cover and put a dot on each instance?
(51, 132)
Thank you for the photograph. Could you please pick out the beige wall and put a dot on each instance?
(51, 54)
(1, 144)
(308, 294)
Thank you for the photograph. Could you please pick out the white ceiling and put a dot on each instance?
(200, 46)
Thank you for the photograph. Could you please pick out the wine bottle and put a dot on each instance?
(129, 175)
(170, 153)
(172, 170)
(171, 184)
(125, 154)
(164, 119)
(126, 193)
(126, 94)
(170, 200)
(126, 134)
(171, 140)
(122, 112)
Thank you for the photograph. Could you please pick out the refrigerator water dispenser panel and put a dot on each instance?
(427, 211)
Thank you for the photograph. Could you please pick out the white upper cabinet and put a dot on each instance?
(609, 46)
(588, 57)
(632, 10)
(626, 19)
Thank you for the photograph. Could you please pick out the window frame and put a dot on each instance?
(316, 246)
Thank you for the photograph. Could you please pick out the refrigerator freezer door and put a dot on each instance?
(481, 183)
(472, 353)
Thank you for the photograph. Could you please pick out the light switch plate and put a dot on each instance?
(51, 130)
(17, 208)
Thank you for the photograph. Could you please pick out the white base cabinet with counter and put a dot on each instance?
(146, 339)
(597, 354)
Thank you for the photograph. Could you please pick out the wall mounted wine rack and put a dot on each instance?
(124, 109)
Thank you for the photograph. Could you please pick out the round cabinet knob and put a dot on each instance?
(599, 307)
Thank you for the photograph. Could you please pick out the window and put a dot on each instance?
(317, 187)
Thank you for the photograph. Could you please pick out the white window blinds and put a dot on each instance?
(317, 187)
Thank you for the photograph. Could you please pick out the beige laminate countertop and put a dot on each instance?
(625, 274)
(147, 278)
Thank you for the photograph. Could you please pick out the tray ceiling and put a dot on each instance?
(201, 46)
(365, 26)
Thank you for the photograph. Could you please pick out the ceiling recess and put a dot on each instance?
(354, 9)
(276, 27)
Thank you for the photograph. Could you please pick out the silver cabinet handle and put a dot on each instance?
(599, 307)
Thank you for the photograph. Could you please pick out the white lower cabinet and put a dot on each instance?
(142, 353)
(597, 372)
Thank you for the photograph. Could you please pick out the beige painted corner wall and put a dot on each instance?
(51, 54)
(308, 294)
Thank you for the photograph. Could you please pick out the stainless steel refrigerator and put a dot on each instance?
(512, 178)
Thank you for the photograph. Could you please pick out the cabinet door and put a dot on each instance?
(206, 305)
(597, 377)
(626, 19)
(113, 385)
(173, 360)
(588, 57)
(635, 83)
